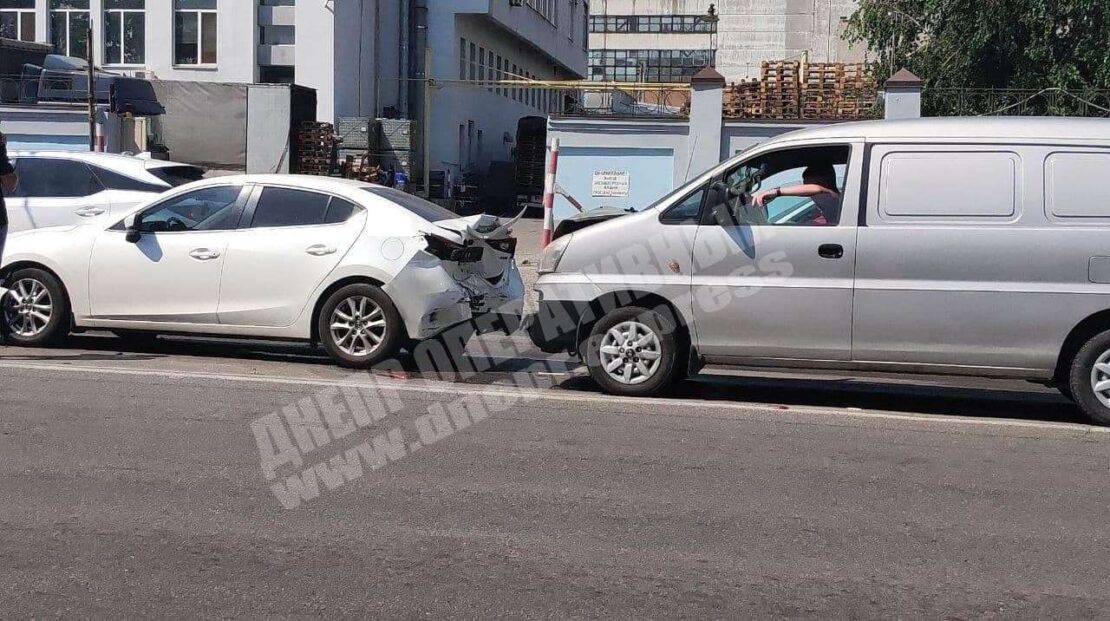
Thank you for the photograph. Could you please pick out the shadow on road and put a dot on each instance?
(864, 393)
(951, 396)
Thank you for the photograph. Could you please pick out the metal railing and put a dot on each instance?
(1015, 102)
(590, 98)
(624, 101)
(53, 87)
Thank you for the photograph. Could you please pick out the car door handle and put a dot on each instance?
(831, 251)
(320, 250)
(204, 254)
(89, 212)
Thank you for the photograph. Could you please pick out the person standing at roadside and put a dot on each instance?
(8, 181)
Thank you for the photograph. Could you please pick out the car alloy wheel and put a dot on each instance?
(358, 326)
(630, 353)
(29, 308)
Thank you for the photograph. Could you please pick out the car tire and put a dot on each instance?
(1090, 370)
(626, 342)
(359, 326)
(35, 309)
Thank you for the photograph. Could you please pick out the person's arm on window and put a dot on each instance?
(8, 178)
(807, 190)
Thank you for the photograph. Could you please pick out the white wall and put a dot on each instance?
(749, 31)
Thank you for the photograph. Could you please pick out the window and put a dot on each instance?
(54, 178)
(112, 180)
(69, 27)
(473, 61)
(680, 24)
(194, 31)
(124, 32)
(481, 63)
(177, 175)
(339, 211)
(945, 184)
(208, 209)
(17, 19)
(462, 59)
(413, 204)
(648, 65)
(500, 73)
(282, 207)
(516, 76)
(790, 168)
(1073, 185)
(546, 8)
(686, 211)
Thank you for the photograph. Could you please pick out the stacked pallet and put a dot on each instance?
(315, 148)
(781, 81)
(858, 92)
(786, 90)
(745, 100)
(821, 90)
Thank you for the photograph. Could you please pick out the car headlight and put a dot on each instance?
(553, 254)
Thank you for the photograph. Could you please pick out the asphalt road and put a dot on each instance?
(132, 485)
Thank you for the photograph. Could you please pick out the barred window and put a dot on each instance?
(652, 23)
(648, 65)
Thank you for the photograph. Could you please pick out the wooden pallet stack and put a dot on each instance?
(316, 148)
(821, 90)
(789, 90)
(780, 81)
(745, 100)
(858, 92)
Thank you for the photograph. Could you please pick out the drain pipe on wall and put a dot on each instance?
(404, 61)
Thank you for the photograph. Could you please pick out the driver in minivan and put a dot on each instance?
(818, 183)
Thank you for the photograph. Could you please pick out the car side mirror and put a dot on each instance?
(134, 229)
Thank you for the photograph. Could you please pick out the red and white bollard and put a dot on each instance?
(549, 193)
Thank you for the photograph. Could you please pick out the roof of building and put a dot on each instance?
(1019, 128)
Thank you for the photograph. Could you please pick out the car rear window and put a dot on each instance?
(177, 175)
(414, 204)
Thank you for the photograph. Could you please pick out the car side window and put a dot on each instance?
(284, 207)
(207, 209)
(115, 181)
(340, 211)
(685, 211)
(791, 187)
(41, 177)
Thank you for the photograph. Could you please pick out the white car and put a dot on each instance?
(358, 268)
(58, 188)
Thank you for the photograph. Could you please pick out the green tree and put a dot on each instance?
(1026, 44)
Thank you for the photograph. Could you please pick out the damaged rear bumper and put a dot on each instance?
(430, 300)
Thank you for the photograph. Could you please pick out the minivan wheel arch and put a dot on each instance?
(1075, 340)
(621, 299)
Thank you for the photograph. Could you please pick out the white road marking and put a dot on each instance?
(423, 386)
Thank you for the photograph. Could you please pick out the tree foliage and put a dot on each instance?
(1028, 44)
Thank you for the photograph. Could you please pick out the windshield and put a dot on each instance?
(414, 204)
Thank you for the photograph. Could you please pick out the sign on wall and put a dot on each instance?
(611, 184)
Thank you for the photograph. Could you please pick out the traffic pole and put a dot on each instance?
(549, 193)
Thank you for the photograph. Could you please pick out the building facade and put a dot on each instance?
(363, 57)
(670, 40)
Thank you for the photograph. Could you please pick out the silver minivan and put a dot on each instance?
(966, 246)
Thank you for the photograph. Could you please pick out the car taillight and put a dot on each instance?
(447, 250)
(507, 245)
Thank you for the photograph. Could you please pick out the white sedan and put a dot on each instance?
(72, 187)
(358, 268)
